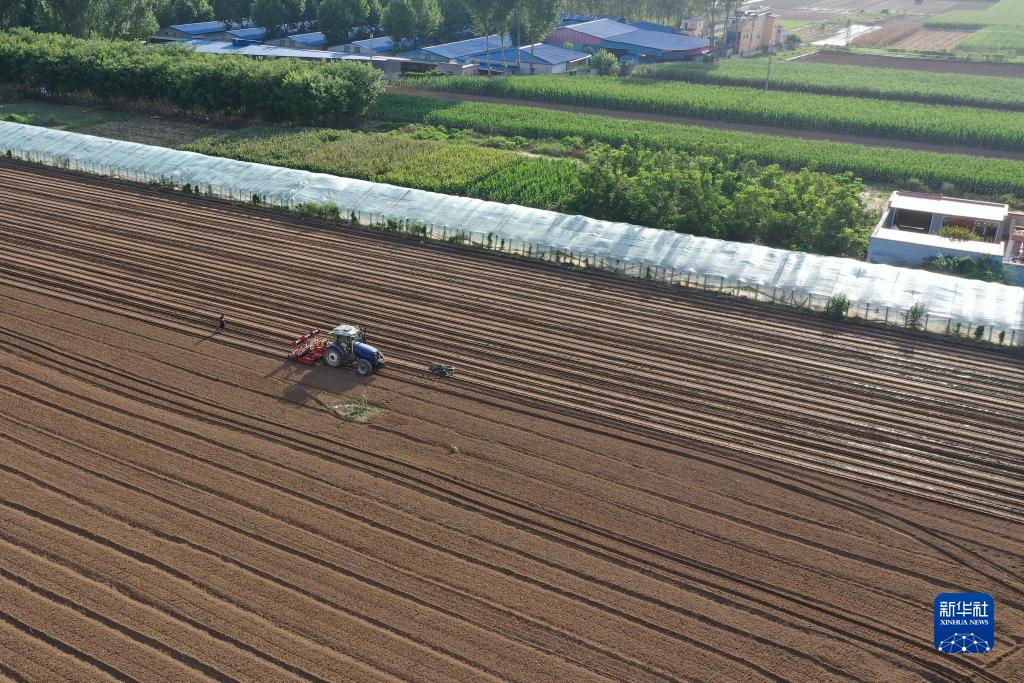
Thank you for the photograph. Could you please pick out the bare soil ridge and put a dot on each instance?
(176, 503)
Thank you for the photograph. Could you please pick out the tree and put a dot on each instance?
(338, 18)
(405, 19)
(231, 10)
(455, 18)
(170, 12)
(606, 63)
(728, 8)
(537, 19)
(71, 17)
(270, 14)
(490, 16)
(127, 19)
(398, 20)
(12, 13)
(710, 9)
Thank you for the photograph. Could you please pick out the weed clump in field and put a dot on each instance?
(838, 306)
(914, 317)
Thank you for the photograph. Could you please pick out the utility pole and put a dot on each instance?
(768, 77)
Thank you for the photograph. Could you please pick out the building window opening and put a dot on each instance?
(914, 221)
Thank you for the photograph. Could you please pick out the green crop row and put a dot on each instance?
(857, 81)
(1003, 13)
(993, 40)
(952, 172)
(975, 127)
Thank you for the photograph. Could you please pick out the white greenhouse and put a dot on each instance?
(878, 292)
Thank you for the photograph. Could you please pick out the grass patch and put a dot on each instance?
(422, 157)
(360, 411)
(63, 116)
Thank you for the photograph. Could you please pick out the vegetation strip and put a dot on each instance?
(666, 189)
(975, 127)
(912, 169)
(856, 81)
(116, 71)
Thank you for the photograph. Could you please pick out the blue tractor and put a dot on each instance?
(346, 345)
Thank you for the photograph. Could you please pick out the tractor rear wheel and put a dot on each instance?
(332, 357)
(364, 367)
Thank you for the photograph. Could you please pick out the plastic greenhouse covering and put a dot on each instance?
(875, 291)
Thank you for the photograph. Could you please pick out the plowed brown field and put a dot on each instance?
(622, 482)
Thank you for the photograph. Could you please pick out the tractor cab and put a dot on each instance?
(347, 345)
(346, 336)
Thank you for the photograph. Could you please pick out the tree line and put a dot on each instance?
(728, 199)
(527, 21)
(404, 20)
(285, 90)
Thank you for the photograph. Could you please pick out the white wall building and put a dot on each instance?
(909, 231)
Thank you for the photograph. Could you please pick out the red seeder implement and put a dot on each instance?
(308, 348)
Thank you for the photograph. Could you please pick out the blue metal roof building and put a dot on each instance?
(460, 50)
(202, 29)
(629, 42)
(223, 47)
(650, 26)
(568, 18)
(302, 41)
(251, 35)
(546, 59)
(369, 46)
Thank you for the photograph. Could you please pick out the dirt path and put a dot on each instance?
(621, 482)
(951, 66)
(865, 140)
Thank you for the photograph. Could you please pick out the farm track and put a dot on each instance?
(560, 537)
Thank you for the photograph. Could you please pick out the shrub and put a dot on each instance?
(980, 268)
(960, 233)
(914, 317)
(979, 332)
(838, 306)
(605, 63)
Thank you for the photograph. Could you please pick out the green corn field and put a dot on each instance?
(969, 126)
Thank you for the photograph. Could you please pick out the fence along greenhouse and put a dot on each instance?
(876, 292)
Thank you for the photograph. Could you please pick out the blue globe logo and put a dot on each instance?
(963, 643)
